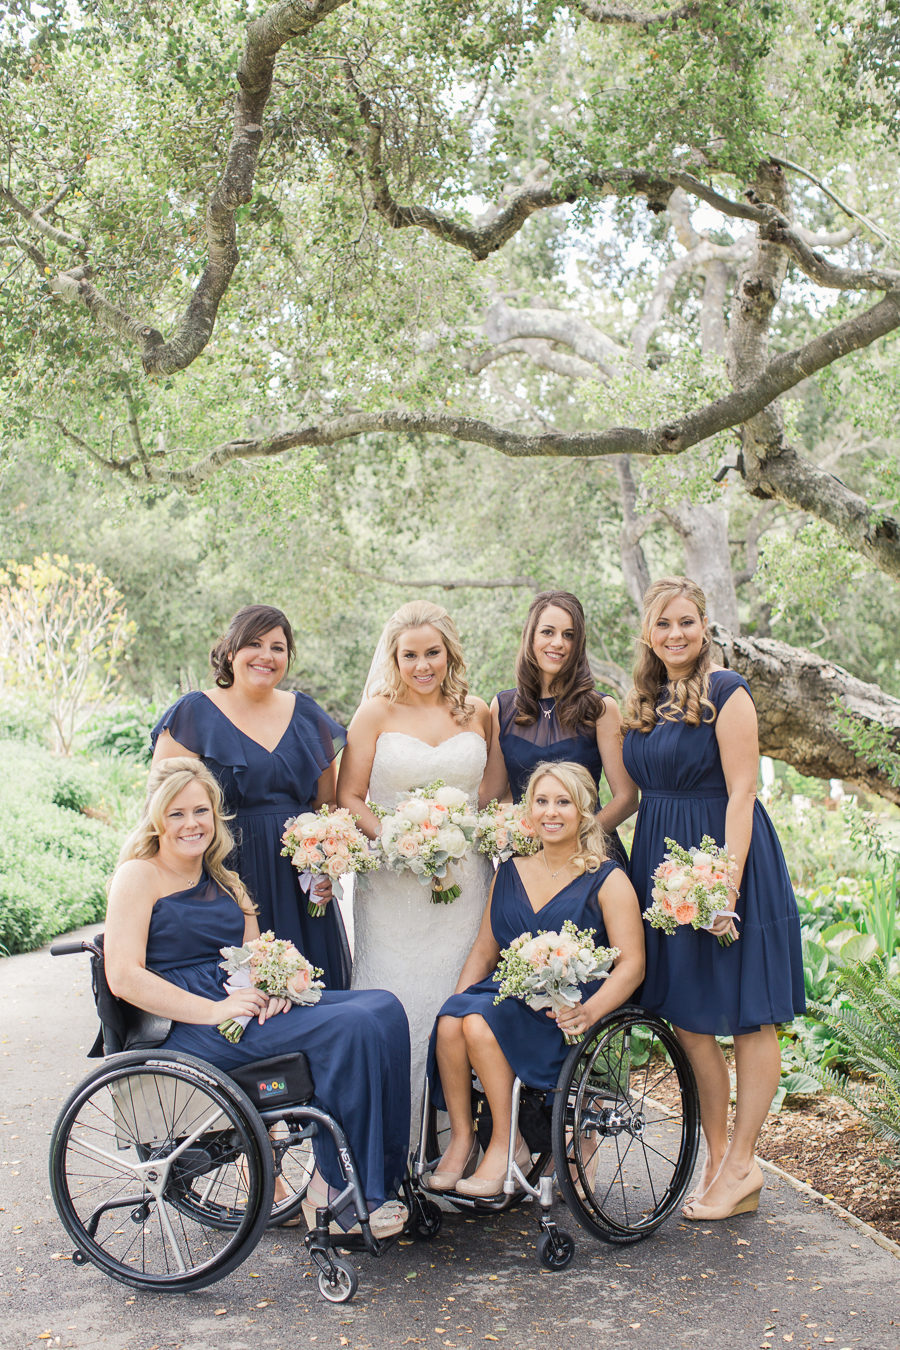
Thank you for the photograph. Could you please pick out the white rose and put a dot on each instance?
(451, 840)
(416, 810)
(308, 820)
(450, 796)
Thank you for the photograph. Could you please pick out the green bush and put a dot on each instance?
(55, 860)
(123, 730)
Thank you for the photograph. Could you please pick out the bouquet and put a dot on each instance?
(273, 965)
(505, 830)
(691, 885)
(326, 843)
(546, 970)
(426, 832)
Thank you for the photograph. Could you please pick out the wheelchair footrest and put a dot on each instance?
(282, 1079)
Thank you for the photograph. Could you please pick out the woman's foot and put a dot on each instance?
(389, 1220)
(487, 1182)
(707, 1177)
(458, 1162)
(728, 1195)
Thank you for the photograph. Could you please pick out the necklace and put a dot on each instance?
(548, 712)
(554, 875)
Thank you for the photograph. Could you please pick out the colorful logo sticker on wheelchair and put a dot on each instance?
(271, 1087)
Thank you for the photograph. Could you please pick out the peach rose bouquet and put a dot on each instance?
(691, 886)
(273, 965)
(546, 971)
(425, 833)
(326, 843)
(504, 830)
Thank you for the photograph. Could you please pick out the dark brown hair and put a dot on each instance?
(577, 702)
(247, 625)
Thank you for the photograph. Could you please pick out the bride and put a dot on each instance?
(417, 723)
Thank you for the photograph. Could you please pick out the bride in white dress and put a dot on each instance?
(417, 723)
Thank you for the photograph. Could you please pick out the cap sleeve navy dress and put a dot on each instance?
(533, 1044)
(524, 747)
(357, 1043)
(690, 979)
(262, 789)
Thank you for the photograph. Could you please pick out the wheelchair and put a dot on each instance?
(163, 1167)
(620, 1140)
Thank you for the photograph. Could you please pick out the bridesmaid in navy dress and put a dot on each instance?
(692, 748)
(172, 905)
(570, 878)
(272, 751)
(555, 713)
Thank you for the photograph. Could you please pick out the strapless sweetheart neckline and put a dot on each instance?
(418, 739)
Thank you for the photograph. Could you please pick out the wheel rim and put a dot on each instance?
(629, 1126)
(159, 1174)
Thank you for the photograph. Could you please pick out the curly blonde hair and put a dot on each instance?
(685, 700)
(592, 849)
(167, 779)
(416, 614)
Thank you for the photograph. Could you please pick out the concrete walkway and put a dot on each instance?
(793, 1275)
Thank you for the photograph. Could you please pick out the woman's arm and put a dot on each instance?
(485, 953)
(132, 895)
(737, 734)
(356, 765)
(326, 788)
(167, 748)
(624, 800)
(495, 783)
(625, 930)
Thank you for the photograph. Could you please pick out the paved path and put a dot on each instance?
(794, 1275)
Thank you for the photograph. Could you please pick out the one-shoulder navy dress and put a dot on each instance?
(533, 1044)
(357, 1043)
(524, 747)
(690, 979)
(262, 790)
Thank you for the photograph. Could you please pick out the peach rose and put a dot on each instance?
(685, 911)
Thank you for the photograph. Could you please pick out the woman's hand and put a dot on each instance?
(572, 1021)
(274, 1006)
(321, 891)
(724, 926)
(247, 1002)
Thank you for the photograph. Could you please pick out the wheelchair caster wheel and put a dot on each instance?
(426, 1220)
(79, 1258)
(340, 1283)
(555, 1250)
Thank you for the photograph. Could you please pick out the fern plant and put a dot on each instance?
(867, 1021)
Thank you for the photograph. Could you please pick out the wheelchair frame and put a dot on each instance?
(622, 1157)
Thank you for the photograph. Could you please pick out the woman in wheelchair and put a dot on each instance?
(571, 877)
(172, 905)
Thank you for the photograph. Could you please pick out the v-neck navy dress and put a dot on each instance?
(533, 1044)
(547, 741)
(690, 979)
(357, 1043)
(262, 790)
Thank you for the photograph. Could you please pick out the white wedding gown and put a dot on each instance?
(403, 942)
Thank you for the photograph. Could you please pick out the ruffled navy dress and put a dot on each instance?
(690, 979)
(262, 790)
(533, 1044)
(524, 747)
(357, 1043)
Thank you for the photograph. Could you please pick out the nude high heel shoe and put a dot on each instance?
(447, 1180)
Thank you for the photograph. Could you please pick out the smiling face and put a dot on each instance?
(555, 816)
(553, 642)
(262, 663)
(188, 826)
(421, 659)
(677, 636)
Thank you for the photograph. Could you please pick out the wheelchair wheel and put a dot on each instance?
(161, 1171)
(339, 1283)
(626, 1126)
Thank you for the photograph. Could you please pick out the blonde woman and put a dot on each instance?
(692, 748)
(572, 877)
(417, 723)
(172, 905)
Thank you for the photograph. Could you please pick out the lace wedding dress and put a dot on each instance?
(403, 942)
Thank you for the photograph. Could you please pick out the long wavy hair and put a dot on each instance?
(416, 614)
(247, 625)
(685, 700)
(168, 779)
(592, 849)
(577, 702)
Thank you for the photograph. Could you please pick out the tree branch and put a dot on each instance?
(37, 222)
(624, 14)
(848, 210)
(467, 583)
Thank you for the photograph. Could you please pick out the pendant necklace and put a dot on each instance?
(554, 875)
(548, 712)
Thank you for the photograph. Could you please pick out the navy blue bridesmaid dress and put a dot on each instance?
(524, 747)
(533, 1044)
(262, 790)
(357, 1043)
(690, 979)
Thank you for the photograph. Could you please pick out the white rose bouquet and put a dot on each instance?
(425, 833)
(505, 830)
(326, 843)
(546, 971)
(273, 965)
